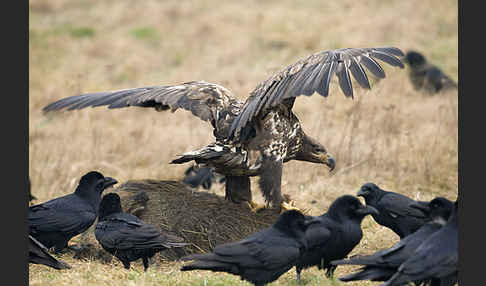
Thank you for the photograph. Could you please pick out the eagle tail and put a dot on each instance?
(201, 156)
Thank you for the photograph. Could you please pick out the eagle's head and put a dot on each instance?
(315, 152)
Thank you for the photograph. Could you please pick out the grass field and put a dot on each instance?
(399, 138)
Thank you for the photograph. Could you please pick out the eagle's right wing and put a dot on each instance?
(205, 100)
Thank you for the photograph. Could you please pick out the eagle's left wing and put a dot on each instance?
(313, 74)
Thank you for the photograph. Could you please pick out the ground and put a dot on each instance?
(392, 135)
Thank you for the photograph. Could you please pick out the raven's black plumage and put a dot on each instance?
(435, 258)
(196, 176)
(334, 234)
(426, 76)
(395, 210)
(38, 254)
(55, 222)
(127, 237)
(381, 265)
(255, 137)
(261, 257)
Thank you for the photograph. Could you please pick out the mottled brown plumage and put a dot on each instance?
(255, 137)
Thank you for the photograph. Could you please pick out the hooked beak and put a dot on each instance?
(109, 182)
(367, 210)
(330, 162)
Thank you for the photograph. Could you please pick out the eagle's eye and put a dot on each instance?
(318, 149)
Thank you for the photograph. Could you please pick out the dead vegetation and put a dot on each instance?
(392, 135)
(203, 219)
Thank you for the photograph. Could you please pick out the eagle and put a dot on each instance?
(257, 136)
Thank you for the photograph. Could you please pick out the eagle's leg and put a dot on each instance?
(271, 184)
(237, 190)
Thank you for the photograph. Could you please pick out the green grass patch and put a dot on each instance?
(144, 33)
(82, 32)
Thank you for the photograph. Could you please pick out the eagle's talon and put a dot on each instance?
(290, 205)
(286, 206)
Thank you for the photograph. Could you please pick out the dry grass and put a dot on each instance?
(396, 137)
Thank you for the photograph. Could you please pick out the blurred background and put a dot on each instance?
(401, 139)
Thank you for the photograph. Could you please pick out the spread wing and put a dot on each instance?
(313, 74)
(205, 100)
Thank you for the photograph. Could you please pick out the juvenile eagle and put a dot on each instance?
(255, 137)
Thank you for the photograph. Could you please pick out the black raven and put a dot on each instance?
(426, 76)
(261, 257)
(394, 208)
(201, 176)
(127, 237)
(38, 254)
(55, 222)
(333, 234)
(381, 265)
(435, 258)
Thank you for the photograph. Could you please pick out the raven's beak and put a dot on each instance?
(109, 182)
(361, 193)
(367, 210)
(422, 206)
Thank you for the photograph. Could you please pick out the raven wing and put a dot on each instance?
(39, 254)
(265, 250)
(399, 205)
(124, 234)
(317, 234)
(58, 215)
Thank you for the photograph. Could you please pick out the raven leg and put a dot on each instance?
(145, 263)
(330, 271)
(237, 190)
(298, 270)
(61, 246)
(126, 264)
